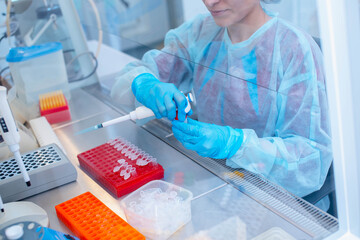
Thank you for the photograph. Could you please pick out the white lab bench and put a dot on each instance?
(215, 199)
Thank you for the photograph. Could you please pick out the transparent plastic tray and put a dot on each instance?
(158, 209)
(274, 233)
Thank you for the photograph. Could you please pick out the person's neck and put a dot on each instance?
(243, 30)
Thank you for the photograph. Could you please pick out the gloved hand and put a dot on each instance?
(208, 140)
(162, 98)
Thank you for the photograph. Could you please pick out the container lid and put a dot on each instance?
(20, 54)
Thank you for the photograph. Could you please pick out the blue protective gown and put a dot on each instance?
(272, 86)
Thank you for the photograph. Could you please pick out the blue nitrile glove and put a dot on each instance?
(208, 140)
(162, 98)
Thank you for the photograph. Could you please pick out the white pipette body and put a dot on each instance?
(138, 113)
(10, 133)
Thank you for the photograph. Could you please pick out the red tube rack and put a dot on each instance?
(101, 161)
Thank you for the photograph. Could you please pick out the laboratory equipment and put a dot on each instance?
(89, 218)
(48, 168)
(57, 21)
(44, 133)
(10, 133)
(120, 166)
(54, 107)
(38, 69)
(23, 211)
(32, 230)
(139, 113)
(29, 41)
(14, 232)
(158, 209)
(27, 141)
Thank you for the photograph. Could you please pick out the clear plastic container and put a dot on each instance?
(274, 233)
(231, 228)
(158, 209)
(38, 69)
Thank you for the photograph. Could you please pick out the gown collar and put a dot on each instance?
(255, 35)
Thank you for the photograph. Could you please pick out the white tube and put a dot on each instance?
(98, 21)
(116, 120)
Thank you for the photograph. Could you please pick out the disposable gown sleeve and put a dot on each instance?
(298, 155)
(171, 64)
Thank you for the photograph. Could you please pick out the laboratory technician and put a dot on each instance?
(260, 92)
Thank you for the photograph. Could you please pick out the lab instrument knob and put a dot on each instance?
(14, 232)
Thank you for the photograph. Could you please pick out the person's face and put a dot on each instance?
(230, 12)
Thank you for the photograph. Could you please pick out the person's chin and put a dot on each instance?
(221, 22)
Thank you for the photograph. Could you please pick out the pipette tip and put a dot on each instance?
(28, 183)
(90, 129)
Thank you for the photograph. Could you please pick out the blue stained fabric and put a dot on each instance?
(272, 86)
(250, 67)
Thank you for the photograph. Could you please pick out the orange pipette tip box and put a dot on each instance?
(54, 107)
(88, 218)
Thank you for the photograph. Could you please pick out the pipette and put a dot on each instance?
(10, 133)
(138, 113)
